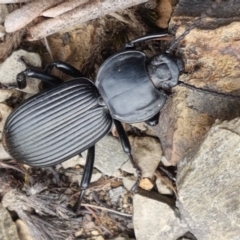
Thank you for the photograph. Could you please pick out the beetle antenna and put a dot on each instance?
(207, 90)
(209, 11)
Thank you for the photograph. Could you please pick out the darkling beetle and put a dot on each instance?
(70, 117)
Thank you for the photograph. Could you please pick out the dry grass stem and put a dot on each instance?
(106, 209)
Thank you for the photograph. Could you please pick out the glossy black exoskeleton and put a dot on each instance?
(72, 116)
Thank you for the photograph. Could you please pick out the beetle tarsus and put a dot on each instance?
(77, 205)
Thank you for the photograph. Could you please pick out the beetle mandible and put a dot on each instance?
(70, 117)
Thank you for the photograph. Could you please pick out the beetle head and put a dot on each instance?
(164, 71)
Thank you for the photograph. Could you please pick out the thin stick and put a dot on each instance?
(24, 15)
(106, 209)
(88, 11)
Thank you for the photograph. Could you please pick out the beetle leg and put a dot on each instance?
(87, 174)
(154, 120)
(127, 149)
(35, 73)
(65, 68)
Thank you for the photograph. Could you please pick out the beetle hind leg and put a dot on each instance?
(87, 174)
(127, 149)
(65, 68)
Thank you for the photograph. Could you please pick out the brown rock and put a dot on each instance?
(211, 57)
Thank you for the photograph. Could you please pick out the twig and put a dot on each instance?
(24, 15)
(94, 215)
(4, 165)
(62, 8)
(106, 209)
(88, 11)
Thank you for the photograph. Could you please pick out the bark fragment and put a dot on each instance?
(88, 11)
(24, 15)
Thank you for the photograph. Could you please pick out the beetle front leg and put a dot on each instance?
(87, 174)
(65, 68)
(127, 149)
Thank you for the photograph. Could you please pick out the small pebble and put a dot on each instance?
(95, 233)
(99, 238)
(79, 233)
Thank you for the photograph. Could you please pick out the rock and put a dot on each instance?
(99, 238)
(164, 9)
(2, 31)
(4, 113)
(211, 63)
(94, 232)
(122, 236)
(23, 231)
(71, 163)
(12, 66)
(3, 12)
(115, 194)
(143, 127)
(6, 94)
(186, 118)
(109, 155)
(95, 176)
(146, 184)
(208, 184)
(147, 153)
(128, 167)
(155, 220)
(3, 153)
(8, 230)
(128, 183)
(79, 233)
(162, 187)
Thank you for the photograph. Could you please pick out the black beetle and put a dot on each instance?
(72, 116)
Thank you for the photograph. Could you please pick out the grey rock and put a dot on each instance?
(128, 167)
(128, 183)
(11, 67)
(163, 188)
(208, 184)
(115, 194)
(3, 153)
(155, 220)
(122, 236)
(71, 163)
(8, 230)
(109, 155)
(2, 31)
(3, 12)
